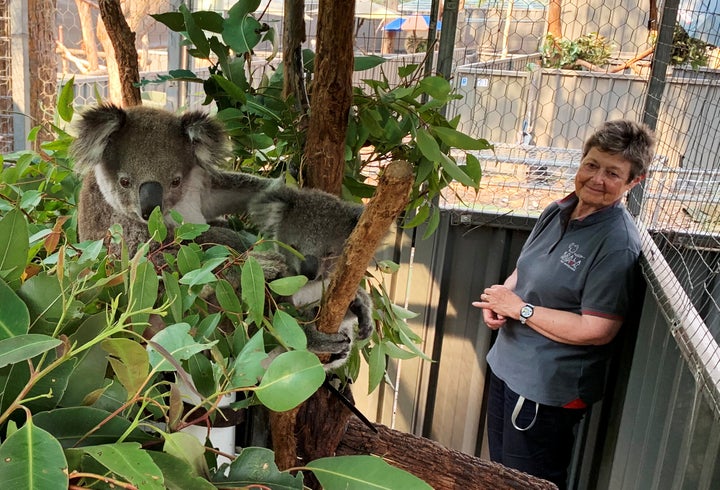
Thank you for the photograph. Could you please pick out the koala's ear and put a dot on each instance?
(94, 129)
(208, 137)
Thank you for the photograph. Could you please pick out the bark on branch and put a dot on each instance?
(123, 41)
(390, 199)
(433, 463)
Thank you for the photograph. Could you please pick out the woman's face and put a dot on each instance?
(602, 179)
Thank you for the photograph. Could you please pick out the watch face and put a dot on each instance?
(526, 311)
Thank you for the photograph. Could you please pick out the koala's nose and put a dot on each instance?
(309, 267)
(151, 195)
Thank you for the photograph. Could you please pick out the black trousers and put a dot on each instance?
(545, 448)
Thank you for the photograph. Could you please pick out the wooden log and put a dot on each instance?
(440, 467)
(123, 40)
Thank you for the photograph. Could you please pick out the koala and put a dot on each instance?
(316, 224)
(135, 159)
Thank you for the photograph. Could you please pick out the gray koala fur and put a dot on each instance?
(135, 159)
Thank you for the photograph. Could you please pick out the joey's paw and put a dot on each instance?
(327, 343)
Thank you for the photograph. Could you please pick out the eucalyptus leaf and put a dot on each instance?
(290, 379)
(187, 448)
(376, 367)
(363, 472)
(14, 244)
(178, 475)
(129, 361)
(247, 368)
(287, 286)
(131, 462)
(175, 340)
(65, 100)
(288, 331)
(31, 458)
(255, 467)
(87, 426)
(23, 347)
(252, 283)
(195, 33)
(14, 314)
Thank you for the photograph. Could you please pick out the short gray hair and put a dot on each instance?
(635, 142)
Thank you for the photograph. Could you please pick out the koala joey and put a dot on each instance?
(135, 159)
(315, 224)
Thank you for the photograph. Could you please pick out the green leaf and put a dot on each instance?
(227, 297)
(14, 314)
(87, 426)
(247, 368)
(473, 168)
(288, 331)
(188, 258)
(241, 33)
(175, 339)
(420, 216)
(178, 475)
(129, 361)
(290, 379)
(65, 101)
(31, 458)
(456, 139)
(24, 347)
(195, 33)
(252, 283)
(190, 231)
(362, 473)
(362, 63)
(287, 286)
(428, 146)
(376, 366)
(233, 90)
(156, 225)
(243, 8)
(144, 284)
(456, 172)
(189, 449)
(132, 463)
(432, 223)
(436, 86)
(255, 467)
(172, 293)
(14, 244)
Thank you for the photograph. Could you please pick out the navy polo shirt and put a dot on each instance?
(586, 266)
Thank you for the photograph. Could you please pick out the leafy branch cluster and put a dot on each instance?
(565, 53)
(688, 50)
(93, 391)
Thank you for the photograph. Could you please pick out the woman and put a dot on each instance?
(562, 306)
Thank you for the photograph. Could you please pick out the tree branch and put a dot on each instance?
(123, 41)
(390, 199)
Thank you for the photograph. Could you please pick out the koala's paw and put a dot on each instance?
(337, 345)
(362, 308)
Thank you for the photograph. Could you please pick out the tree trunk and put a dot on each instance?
(88, 34)
(125, 53)
(433, 463)
(43, 65)
(553, 18)
(293, 37)
(331, 96)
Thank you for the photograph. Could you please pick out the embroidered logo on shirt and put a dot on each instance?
(571, 259)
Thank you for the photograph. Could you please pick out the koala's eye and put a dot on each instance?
(124, 182)
(176, 182)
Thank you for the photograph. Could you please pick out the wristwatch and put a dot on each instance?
(526, 312)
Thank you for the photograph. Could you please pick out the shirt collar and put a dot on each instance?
(567, 205)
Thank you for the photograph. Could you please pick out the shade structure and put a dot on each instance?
(410, 23)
